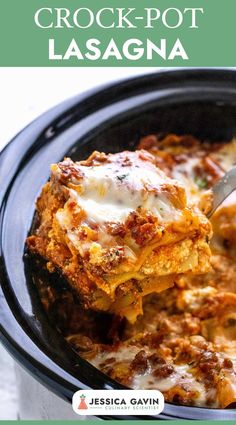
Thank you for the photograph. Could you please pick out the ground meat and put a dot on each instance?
(140, 363)
(163, 371)
(143, 228)
(155, 360)
(117, 229)
(152, 340)
(227, 364)
(208, 363)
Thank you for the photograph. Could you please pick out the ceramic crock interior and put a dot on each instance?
(207, 111)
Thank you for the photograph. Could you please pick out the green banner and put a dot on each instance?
(112, 422)
(117, 33)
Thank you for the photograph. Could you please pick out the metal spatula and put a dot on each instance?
(223, 189)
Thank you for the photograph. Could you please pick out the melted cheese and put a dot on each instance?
(181, 376)
(184, 173)
(110, 191)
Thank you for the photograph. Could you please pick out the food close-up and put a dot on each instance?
(117, 249)
(141, 276)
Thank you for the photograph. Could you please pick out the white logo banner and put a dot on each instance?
(118, 402)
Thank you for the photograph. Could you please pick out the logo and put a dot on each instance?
(82, 405)
(118, 402)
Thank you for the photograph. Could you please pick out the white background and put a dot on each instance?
(25, 93)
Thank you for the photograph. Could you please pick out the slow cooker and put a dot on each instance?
(201, 102)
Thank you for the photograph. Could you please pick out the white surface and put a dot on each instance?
(8, 392)
(25, 93)
(38, 403)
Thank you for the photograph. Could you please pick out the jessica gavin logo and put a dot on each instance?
(115, 401)
(82, 404)
(118, 402)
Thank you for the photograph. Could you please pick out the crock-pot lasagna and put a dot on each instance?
(130, 229)
(118, 228)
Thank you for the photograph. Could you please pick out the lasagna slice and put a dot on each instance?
(117, 228)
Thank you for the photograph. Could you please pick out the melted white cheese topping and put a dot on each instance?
(110, 192)
(180, 377)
